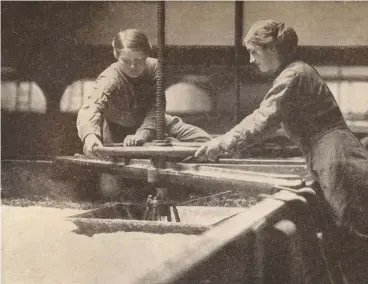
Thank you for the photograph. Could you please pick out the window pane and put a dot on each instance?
(22, 96)
(75, 95)
(333, 86)
(38, 101)
(8, 94)
(352, 97)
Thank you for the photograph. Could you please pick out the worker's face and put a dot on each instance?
(133, 62)
(265, 58)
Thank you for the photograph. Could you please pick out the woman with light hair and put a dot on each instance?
(302, 103)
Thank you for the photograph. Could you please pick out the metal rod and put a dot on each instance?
(21, 161)
(239, 7)
(160, 94)
(145, 151)
(187, 144)
(29, 97)
(297, 161)
(206, 198)
(176, 213)
(17, 95)
(168, 213)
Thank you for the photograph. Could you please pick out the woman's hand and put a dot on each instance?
(210, 150)
(133, 140)
(89, 142)
(138, 139)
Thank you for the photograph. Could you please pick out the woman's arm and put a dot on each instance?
(147, 131)
(89, 120)
(265, 119)
(176, 128)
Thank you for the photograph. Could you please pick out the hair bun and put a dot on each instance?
(281, 31)
(270, 32)
(287, 37)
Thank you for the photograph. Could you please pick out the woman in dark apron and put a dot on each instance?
(121, 107)
(302, 103)
(123, 97)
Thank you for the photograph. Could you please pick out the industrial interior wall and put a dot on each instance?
(55, 27)
(187, 23)
(340, 23)
(319, 23)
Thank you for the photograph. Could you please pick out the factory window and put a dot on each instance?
(75, 95)
(352, 97)
(23, 96)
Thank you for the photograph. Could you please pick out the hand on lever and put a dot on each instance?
(211, 150)
(133, 140)
(89, 143)
(138, 139)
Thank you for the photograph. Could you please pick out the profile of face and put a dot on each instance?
(133, 62)
(266, 58)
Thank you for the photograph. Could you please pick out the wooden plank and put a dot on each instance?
(192, 175)
(236, 232)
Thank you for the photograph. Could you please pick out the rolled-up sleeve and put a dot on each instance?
(90, 116)
(148, 127)
(184, 132)
(267, 117)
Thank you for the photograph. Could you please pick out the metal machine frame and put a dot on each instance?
(272, 241)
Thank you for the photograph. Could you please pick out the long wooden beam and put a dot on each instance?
(200, 176)
(235, 251)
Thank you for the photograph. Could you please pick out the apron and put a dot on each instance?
(339, 162)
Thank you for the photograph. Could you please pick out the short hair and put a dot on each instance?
(272, 33)
(132, 39)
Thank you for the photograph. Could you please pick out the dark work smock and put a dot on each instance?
(300, 100)
(120, 105)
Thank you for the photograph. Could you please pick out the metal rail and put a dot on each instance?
(238, 36)
(145, 151)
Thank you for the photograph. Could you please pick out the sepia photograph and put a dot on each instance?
(186, 142)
